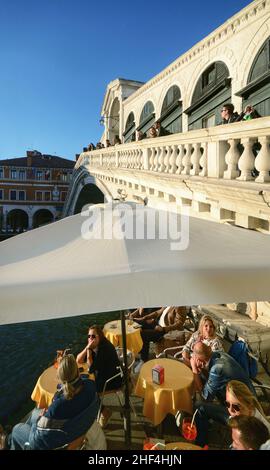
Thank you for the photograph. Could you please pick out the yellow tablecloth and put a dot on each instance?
(182, 446)
(46, 386)
(113, 333)
(173, 395)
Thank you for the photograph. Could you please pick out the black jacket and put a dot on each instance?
(104, 366)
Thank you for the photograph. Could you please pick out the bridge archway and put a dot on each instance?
(42, 217)
(90, 194)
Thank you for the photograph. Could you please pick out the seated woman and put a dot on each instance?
(103, 362)
(102, 359)
(239, 401)
(206, 333)
(72, 412)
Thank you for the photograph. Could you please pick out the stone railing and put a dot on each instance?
(234, 151)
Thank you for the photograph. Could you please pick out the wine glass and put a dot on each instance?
(189, 430)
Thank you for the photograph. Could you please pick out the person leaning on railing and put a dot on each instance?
(248, 114)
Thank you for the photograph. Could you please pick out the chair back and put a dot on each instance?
(130, 358)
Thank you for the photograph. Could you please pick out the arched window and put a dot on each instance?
(129, 134)
(257, 90)
(147, 117)
(171, 111)
(212, 90)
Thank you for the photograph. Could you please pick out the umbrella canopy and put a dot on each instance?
(54, 271)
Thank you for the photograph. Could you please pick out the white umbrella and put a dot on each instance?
(54, 271)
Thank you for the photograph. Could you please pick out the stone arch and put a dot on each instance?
(171, 117)
(81, 177)
(89, 194)
(147, 117)
(130, 126)
(17, 220)
(253, 47)
(225, 55)
(42, 217)
(211, 90)
(165, 90)
(114, 119)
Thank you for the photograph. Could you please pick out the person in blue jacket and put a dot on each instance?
(72, 412)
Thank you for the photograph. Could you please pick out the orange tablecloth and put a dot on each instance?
(46, 386)
(112, 331)
(182, 446)
(173, 395)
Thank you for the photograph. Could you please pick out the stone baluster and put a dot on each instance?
(168, 152)
(195, 159)
(161, 159)
(186, 161)
(129, 155)
(203, 159)
(172, 159)
(139, 159)
(179, 158)
(156, 150)
(262, 161)
(246, 161)
(117, 159)
(231, 158)
(132, 158)
(152, 158)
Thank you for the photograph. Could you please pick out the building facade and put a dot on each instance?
(33, 190)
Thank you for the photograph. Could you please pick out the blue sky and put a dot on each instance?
(57, 57)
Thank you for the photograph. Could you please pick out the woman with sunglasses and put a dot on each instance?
(101, 357)
(103, 362)
(239, 402)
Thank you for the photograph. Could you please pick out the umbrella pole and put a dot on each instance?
(127, 426)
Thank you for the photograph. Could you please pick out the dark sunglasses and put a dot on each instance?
(233, 406)
(92, 336)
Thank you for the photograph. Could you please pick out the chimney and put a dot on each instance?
(29, 155)
(77, 155)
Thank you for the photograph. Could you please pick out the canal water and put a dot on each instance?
(26, 349)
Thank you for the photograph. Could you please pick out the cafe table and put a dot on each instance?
(46, 386)
(113, 332)
(174, 394)
(181, 446)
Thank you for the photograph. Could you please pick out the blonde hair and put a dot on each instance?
(203, 320)
(68, 374)
(244, 395)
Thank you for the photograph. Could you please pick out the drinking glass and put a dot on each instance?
(189, 431)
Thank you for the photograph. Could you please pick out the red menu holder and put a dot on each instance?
(158, 374)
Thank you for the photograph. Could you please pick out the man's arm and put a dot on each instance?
(196, 375)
